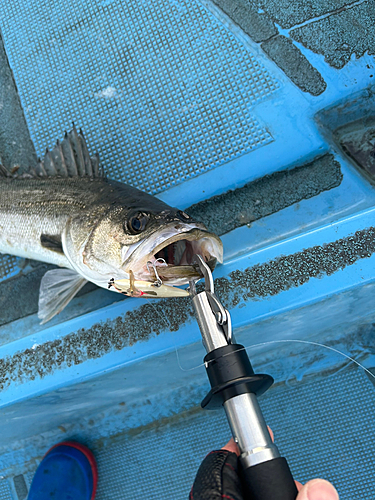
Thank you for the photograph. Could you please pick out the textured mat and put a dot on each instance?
(324, 427)
(163, 104)
(9, 266)
(5, 493)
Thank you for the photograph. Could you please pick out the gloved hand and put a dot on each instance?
(217, 479)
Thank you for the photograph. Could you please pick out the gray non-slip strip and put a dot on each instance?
(16, 148)
(267, 195)
(261, 280)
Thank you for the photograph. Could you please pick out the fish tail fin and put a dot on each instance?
(57, 289)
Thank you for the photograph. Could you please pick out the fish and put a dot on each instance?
(66, 212)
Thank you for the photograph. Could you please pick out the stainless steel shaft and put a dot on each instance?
(244, 415)
(234, 385)
(249, 430)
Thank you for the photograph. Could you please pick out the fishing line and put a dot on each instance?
(308, 342)
(293, 340)
(319, 345)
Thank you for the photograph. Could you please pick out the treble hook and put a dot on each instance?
(158, 281)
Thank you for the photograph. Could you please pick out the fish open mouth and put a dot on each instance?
(172, 260)
(176, 261)
(181, 253)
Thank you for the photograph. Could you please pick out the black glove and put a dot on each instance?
(217, 478)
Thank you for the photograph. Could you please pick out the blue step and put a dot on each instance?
(242, 113)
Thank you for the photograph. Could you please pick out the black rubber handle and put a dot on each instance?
(271, 480)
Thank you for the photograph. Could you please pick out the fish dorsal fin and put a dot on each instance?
(57, 289)
(3, 171)
(39, 169)
(70, 158)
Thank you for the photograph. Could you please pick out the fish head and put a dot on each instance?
(140, 242)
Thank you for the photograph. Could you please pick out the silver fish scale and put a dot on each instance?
(31, 207)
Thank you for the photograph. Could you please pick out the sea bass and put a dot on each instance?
(66, 212)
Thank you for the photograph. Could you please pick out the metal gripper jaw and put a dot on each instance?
(213, 319)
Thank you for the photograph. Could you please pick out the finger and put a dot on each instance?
(318, 489)
(232, 446)
(299, 485)
(271, 433)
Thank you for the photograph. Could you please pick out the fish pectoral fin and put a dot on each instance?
(52, 242)
(57, 289)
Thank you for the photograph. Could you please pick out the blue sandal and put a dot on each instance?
(67, 472)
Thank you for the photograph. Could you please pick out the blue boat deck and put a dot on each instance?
(258, 118)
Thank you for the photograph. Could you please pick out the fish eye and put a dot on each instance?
(183, 215)
(137, 223)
